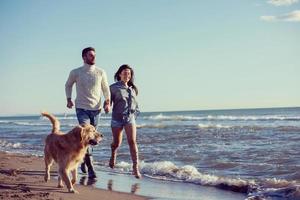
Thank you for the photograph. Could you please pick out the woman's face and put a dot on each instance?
(125, 75)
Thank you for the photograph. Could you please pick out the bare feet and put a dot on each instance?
(112, 162)
(73, 181)
(46, 177)
(136, 173)
(72, 190)
(113, 157)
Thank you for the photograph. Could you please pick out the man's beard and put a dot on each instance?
(90, 62)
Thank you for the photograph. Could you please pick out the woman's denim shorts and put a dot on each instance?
(118, 123)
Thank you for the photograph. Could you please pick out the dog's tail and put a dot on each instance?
(54, 121)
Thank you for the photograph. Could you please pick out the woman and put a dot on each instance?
(124, 111)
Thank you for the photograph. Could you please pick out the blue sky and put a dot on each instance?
(187, 55)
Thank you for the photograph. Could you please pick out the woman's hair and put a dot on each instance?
(131, 81)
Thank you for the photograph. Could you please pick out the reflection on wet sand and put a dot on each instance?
(84, 180)
(135, 187)
(110, 185)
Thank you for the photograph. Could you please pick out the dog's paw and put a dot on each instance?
(73, 181)
(47, 178)
(73, 191)
(60, 186)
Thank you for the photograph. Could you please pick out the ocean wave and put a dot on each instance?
(152, 126)
(275, 189)
(35, 124)
(219, 126)
(75, 124)
(66, 117)
(204, 126)
(167, 170)
(252, 127)
(162, 117)
(75, 118)
(255, 189)
(288, 128)
(255, 117)
(172, 117)
(21, 123)
(5, 144)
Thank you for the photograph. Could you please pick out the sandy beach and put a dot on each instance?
(21, 177)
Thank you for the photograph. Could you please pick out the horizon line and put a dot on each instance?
(166, 111)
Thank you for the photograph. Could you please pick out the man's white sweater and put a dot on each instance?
(90, 81)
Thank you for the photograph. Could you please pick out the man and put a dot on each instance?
(90, 81)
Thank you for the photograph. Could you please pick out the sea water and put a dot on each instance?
(251, 151)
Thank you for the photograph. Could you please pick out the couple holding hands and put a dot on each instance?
(91, 82)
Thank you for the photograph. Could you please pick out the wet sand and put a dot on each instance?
(22, 177)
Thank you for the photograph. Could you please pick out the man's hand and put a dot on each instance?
(107, 106)
(70, 103)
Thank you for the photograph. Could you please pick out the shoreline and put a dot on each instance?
(22, 177)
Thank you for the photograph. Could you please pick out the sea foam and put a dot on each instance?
(166, 170)
(162, 117)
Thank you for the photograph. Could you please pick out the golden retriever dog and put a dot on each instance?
(67, 150)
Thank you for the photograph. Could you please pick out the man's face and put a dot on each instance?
(90, 57)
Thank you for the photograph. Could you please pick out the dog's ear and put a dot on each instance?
(78, 132)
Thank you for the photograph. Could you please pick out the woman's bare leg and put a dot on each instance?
(117, 140)
(130, 130)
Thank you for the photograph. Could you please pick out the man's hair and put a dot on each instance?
(84, 51)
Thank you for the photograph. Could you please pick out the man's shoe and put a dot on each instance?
(89, 163)
(92, 174)
(83, 167)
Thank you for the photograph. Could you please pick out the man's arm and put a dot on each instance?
(68, 89)
(106, 92)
